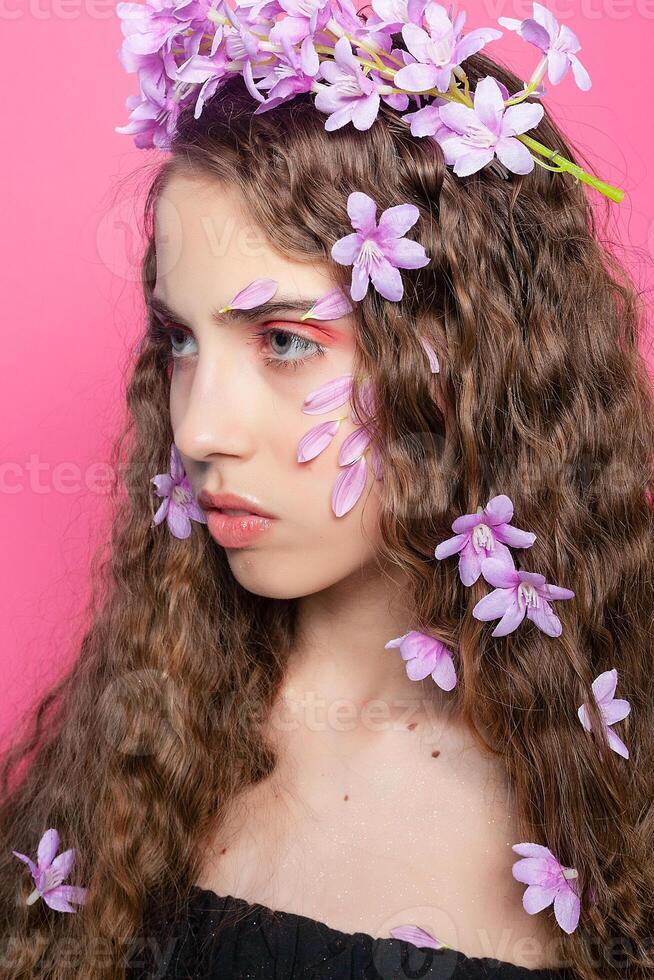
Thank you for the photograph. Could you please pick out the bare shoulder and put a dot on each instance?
(414, 828)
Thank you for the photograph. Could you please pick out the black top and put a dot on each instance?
(227, 938)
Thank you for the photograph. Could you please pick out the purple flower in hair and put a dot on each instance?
(351, 95)
(303, 22)
(548, 881)
(207, 71)
(439, 49)
(290, 75)
(179, 506)
(559, 43)
(377, 251)
(518, 594)
(485, 534)
(612, 709)
(151, 27)
(472, 137)
(155, 34)
(154, 113)
(48, 873)
(425, 655)
(428, 122)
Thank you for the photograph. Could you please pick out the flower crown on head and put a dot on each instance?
(342, 51)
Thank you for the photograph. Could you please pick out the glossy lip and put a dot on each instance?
(218, 501)
(236, 531)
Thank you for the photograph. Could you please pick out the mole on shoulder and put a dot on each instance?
(346, 797)
(435, 754)
(224, 850)
(414, 724)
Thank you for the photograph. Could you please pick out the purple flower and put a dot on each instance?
(548, 882)
(377, 251)
(179, 505)
(390, 16)
(473, 136)
(292, 74)
(48, 873)
(484, 535)
(150, 27)
(301, 25)
(152, 32)
(243, 46)
(208, 71)
(427, 121)
(153, 116)
(439, 50)
(518, 593)
(611, 709)
(558, 42)
(351, 96)
(425, 655)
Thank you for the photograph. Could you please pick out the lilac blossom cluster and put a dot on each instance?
(184, 51)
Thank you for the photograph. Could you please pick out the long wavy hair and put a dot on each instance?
(543, 394)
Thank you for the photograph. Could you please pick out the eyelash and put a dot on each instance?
(161, 331)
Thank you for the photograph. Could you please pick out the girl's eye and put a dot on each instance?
(289, 341)
(277, 337)
(176, 333)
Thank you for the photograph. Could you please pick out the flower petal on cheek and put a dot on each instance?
(316, 439)
(329, 396)
(349, 486)
(353, 446)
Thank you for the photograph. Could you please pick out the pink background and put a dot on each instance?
(70, 254)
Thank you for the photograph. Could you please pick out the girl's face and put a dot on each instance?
(238, 386)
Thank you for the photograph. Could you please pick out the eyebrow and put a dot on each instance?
(273, 307)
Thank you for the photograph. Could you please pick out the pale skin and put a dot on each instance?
(383, 809)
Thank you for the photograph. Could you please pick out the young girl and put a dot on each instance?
(368, 688)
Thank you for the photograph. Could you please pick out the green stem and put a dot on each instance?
(614, 193)
(546, 166)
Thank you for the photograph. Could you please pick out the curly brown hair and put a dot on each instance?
(543, 394)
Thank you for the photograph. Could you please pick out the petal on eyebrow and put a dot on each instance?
(254, 294)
